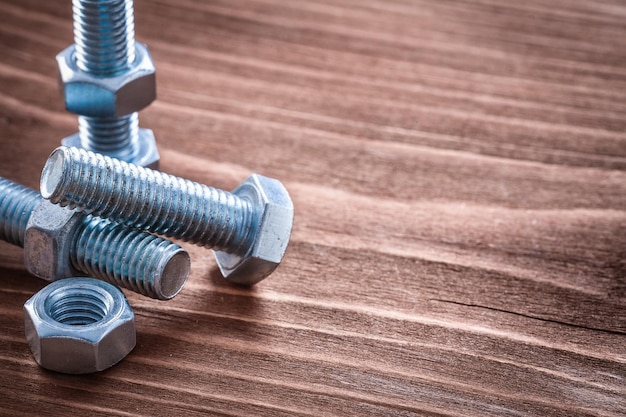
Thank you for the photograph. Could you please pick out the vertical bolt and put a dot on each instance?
(129, 258)
(113, 136)
(104, 34)
(252, 224)
(105, 52)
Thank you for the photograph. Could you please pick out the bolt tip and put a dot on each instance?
(53, 173)
(174, 276)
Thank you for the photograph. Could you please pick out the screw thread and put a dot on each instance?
(104, 34)
(16, 205)
(113, 136)
(149, 200)
(77, 305)
(129, 258)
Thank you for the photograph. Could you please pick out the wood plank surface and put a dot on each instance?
(458, 169)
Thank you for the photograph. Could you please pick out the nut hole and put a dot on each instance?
(77, 306)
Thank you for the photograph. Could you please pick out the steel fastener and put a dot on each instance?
(60, 242)
(79, 325)
(106, 78)
(248, 228)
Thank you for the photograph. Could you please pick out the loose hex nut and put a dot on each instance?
(48, 239)
(89, 95)
(79, 325)
(272, 236)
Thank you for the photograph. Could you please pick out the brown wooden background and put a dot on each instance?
(458, 170)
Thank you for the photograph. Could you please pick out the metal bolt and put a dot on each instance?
(16, 205)
(106, 78)
(249, 228)
(60, 243)
(79, 325)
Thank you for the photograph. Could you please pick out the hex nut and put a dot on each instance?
(90, 95)
(48, 239)
(272, 236)
(79, 325)
(146, 154)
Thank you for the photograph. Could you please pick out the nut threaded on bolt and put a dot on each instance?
(132, 259)
(104, 47)
(149, 200)
(16, 205)
(129, 258)
(104, 34)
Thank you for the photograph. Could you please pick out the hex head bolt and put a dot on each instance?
(249, 229)
(106, 78)
(61, 243)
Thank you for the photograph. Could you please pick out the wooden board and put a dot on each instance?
(458, 170)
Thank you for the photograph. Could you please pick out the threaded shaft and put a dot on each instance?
(132, 259)
(129, 258)
(150, 200)
(113, 136)
(104, 34)
(16, 205)
(77, 305)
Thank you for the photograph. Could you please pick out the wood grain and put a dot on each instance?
(458, 170)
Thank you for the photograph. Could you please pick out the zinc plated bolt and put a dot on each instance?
(61, 243)
(249, 229)
(106, 78)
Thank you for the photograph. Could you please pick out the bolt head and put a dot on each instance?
(146, 154)
(272, 236)
(79, 325)
(90, 95)
(48, 239)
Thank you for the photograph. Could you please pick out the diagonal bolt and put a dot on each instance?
(61, 243)
(248, 228)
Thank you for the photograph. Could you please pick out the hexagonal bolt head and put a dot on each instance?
(89, 95)
(79, 325)
(146, 154)
(48, 240)
(272, 236)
